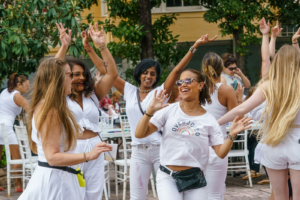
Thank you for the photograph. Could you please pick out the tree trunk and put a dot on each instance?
(241, 60)
(145, 19)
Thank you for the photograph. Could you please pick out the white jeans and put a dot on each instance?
(141, 165)
(167, 189)
(216, 172)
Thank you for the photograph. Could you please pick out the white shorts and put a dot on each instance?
(286, 155)
(11, 136)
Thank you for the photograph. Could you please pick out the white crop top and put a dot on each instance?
(88, 117)
(8, 108)
(186, 139)
(216, 109)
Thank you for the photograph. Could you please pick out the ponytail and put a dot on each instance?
(13, 81)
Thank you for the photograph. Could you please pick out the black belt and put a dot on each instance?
(67, 169)
(164, 169)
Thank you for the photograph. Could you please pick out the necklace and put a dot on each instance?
(144, 91)
(189, 110)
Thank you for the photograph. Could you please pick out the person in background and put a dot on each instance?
(115, 98)
(11, 104)
(175, 97)
(107, 109)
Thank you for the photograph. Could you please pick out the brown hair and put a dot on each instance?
(49, 88)
(228, 59)
(174, 94)
(204, 96)
(13, 81)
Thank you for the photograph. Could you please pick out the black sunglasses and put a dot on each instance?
(187, 81)
(232, 68)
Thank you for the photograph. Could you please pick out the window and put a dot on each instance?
(179, 3)
(103, 9)
(177, 6)
(288, 31)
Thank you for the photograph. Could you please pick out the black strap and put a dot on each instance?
(139, 102)
(67, 169)
(163, 169)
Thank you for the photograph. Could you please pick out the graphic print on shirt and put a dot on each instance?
(186, 128)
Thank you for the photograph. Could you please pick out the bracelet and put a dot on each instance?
(230, 137)
(88, 48)
(148, 114)
(295, 42)
(86, 160)
(102, 47)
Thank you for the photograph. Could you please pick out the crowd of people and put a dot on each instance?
(177, 127)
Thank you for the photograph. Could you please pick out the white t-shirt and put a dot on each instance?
(134, 113)
(117, 107)
(186, 139)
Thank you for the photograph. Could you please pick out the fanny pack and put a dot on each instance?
(188, 179)
(77, 172)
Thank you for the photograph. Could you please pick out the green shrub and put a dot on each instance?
(3, 159)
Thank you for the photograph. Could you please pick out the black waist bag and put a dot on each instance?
(188, 179)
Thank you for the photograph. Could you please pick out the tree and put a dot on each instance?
(27, 29)
(240, 19)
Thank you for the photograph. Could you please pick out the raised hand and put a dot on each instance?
(238, 71)
(204, 39)
(97, 36)
(296, 36)
(97, 76)
(97, 150)
(158, 100)
(65, 38)
(85, 38)
(240, 124)
(264, 27)
(239, 92)
(276, 30)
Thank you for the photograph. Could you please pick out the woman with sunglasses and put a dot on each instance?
(145, 152)
(188, 131)
(232, 75)
(83, 102)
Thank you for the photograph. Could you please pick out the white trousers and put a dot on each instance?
(93, 170)
(216, 172)
(141, 165)
(167, 189)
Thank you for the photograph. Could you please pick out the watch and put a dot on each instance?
(192, 49)
(230, 137)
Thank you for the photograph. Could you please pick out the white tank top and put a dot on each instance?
(88, 116)
(216, 109)
(8, 108)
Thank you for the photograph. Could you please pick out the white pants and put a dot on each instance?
(141, 165)
(216, 172)
(93, 170)
(167, 189)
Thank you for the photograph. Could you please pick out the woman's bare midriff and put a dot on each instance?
(87, 134)
(178, 168)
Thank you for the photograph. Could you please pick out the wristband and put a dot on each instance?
(230, 137)
(86, 160)
(148, 115)
(102, 47)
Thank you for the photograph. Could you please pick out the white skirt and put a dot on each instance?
(11, 136)
(52, 184)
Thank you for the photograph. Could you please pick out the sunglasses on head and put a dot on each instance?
(187, 81)
(232, 68)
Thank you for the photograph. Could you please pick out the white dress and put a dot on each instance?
(50, 184)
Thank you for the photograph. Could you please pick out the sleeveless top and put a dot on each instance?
(88, 116)
(216, 109)
(230, 79)
(8, 108)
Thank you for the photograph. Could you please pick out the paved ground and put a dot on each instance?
(237, 189)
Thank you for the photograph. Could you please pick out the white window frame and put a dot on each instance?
(164, 9)
(103, 9)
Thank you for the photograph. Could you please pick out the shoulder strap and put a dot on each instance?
(139, 102)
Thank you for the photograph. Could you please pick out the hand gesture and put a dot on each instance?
(276, 30)
(110, 107)
(264, 27)
(296, 36)
(204, 39)
(97, 76)
(240, 124)
(97, 150)
(97, 36)
(158, 100)
(65, 38)
(85, 38)
(239, 91)
(238, 71)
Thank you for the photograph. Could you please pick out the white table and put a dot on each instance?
(107, 133)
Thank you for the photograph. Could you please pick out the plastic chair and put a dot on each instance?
(106, 122)
(10, 162)
(106, 180)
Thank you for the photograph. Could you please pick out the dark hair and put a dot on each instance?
(88, 83)
(143, 66)
(204, 96)
(13, 81)
(228, 59)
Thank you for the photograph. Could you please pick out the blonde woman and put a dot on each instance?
(115, 98)
(280, 143)
(52, 135)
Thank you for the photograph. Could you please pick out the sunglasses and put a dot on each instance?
(187, 81)
(232, 68)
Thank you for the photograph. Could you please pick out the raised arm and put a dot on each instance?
(102, 87)
(255, 100)
(22, 102)
(175, 73)
(275, 32)
(295, 39)
(265, 54)
(65, 39)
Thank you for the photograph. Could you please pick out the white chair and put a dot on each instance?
(122, 110)
(106, 180)
(106, 122)
(241, 153)
(29, 161)
(10, 162)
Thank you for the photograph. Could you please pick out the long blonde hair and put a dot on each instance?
(49, 88)
(282, 95)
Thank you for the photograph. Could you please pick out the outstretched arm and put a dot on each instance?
(265, 54)
(295, 39)
(101, 87)
(65, 39)
(175, 73)
(275, 32)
